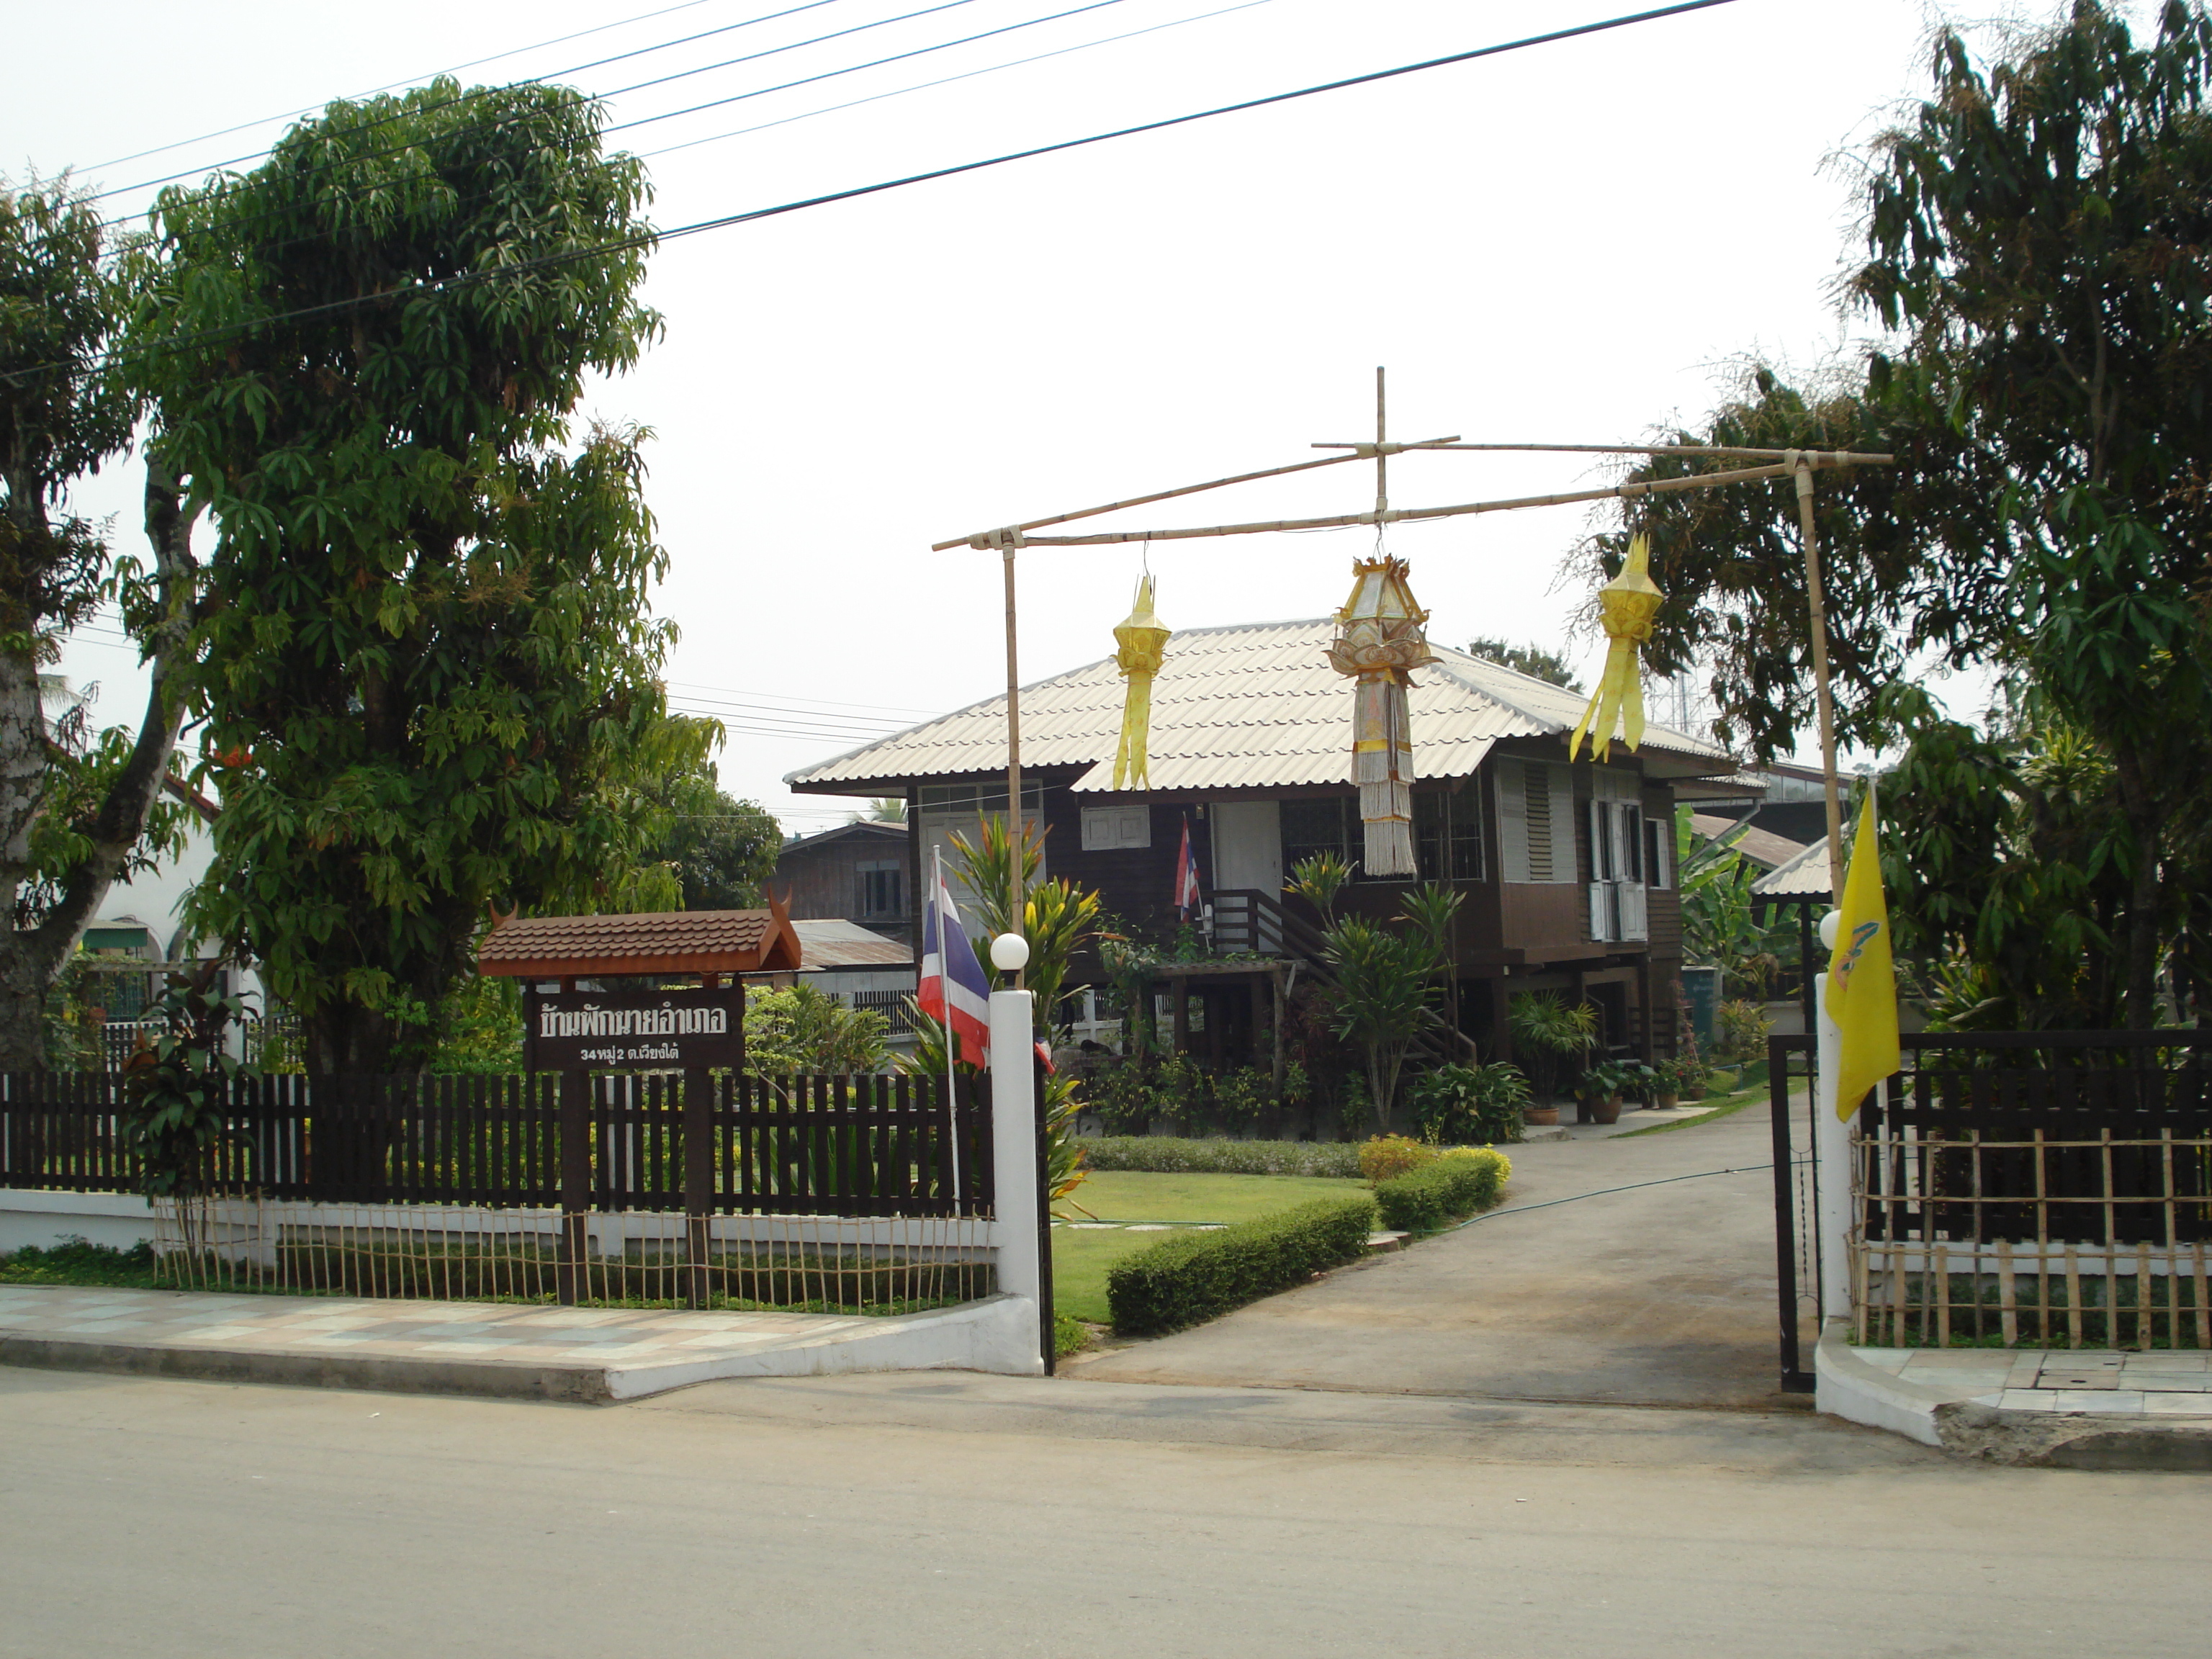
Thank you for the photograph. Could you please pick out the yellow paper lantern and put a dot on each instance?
(1143, 645)
(1380, 640)
(1626, 606)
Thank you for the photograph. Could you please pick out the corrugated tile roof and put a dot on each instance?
(1251, 706)
(1806, 876)
(660, 942)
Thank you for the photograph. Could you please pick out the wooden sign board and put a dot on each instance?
(627, 1029)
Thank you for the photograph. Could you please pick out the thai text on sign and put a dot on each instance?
(589, 1030)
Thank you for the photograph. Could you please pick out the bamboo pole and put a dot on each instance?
(1400, 515)
(984, 538)
(1821, 458)
(1803, 468)
(1381, 452)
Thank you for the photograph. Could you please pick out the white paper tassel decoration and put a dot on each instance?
(1380, 640)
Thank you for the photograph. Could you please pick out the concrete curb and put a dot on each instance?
(999, 1334)
(1847, 1387)
(380, 1373)
(1959, 1420)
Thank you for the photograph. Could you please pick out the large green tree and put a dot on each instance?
(80, 807)
(720, 850)
(430, 667)
(2036, 234)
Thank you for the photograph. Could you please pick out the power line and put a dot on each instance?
(827, 703)
(540, 80)
(831, 75)
(409, 81)
(946, 81)
(524, 267)
(806, 115)
(693, 109)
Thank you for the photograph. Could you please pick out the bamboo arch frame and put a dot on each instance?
(1802, 464)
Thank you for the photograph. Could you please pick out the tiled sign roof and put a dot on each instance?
(664, 942)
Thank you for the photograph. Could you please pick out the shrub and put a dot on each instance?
(1456, 1184)
(1241, 1095)
(1743, 1029)
(1188, 1278)
(1461, 1104)
(1386, 1156)
(1164, 1155)
(1120, 1097)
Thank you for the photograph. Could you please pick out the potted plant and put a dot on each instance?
(1641, 1083)
(1549, 1029)
(1598, 1090)
(1680, 1077)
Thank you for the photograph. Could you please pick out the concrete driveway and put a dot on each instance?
(1662, 1296)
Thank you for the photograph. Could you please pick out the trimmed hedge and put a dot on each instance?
(1164, 1155)
(1188, 1277)
(1455, 1185)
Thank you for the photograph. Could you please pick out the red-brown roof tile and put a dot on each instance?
(664, 942)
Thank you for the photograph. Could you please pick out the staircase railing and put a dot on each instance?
(1245, 919)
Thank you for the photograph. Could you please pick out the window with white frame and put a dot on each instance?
(1619, 855)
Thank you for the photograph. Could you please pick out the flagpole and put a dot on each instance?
(1017, 842)
(1826, 708)
(944, 980)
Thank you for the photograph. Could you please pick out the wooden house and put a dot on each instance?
(1566, 869)
(858, 872)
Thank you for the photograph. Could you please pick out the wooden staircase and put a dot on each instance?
(1247, 920)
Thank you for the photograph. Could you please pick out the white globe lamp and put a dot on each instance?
(1010, 953)
(1829, 926)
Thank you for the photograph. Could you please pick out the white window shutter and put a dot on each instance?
(1563, 823)
(1513, 822)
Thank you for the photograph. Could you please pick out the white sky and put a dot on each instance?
(1565, 244)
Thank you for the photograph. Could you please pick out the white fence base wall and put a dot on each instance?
(121, 1221)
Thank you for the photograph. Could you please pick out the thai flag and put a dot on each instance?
(953, 989)
(1186, 876)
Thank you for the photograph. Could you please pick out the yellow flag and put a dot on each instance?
(1861, 976)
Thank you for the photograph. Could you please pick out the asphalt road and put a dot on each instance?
(949, 1515)
(1661, 1295)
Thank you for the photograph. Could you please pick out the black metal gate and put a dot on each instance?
(1796, 1178)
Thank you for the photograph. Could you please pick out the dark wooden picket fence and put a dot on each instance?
(2099, 1138)
(706, 1144)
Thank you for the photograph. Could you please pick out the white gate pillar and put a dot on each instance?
(1013, 1165)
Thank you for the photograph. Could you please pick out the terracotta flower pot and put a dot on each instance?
(1666, 1102)
(1604, 1111)
(1540, 1117)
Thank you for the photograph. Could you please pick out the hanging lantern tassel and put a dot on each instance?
(1626, 605)
(1143, 646)
(1380, 640)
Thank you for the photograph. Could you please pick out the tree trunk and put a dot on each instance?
(32, 959)
(2139, 943)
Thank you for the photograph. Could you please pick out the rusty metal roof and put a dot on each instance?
(661, 942)
(840, 944)
(1762, 847)
(1245, 707)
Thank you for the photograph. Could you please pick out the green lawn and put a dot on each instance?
(1081, 1256)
